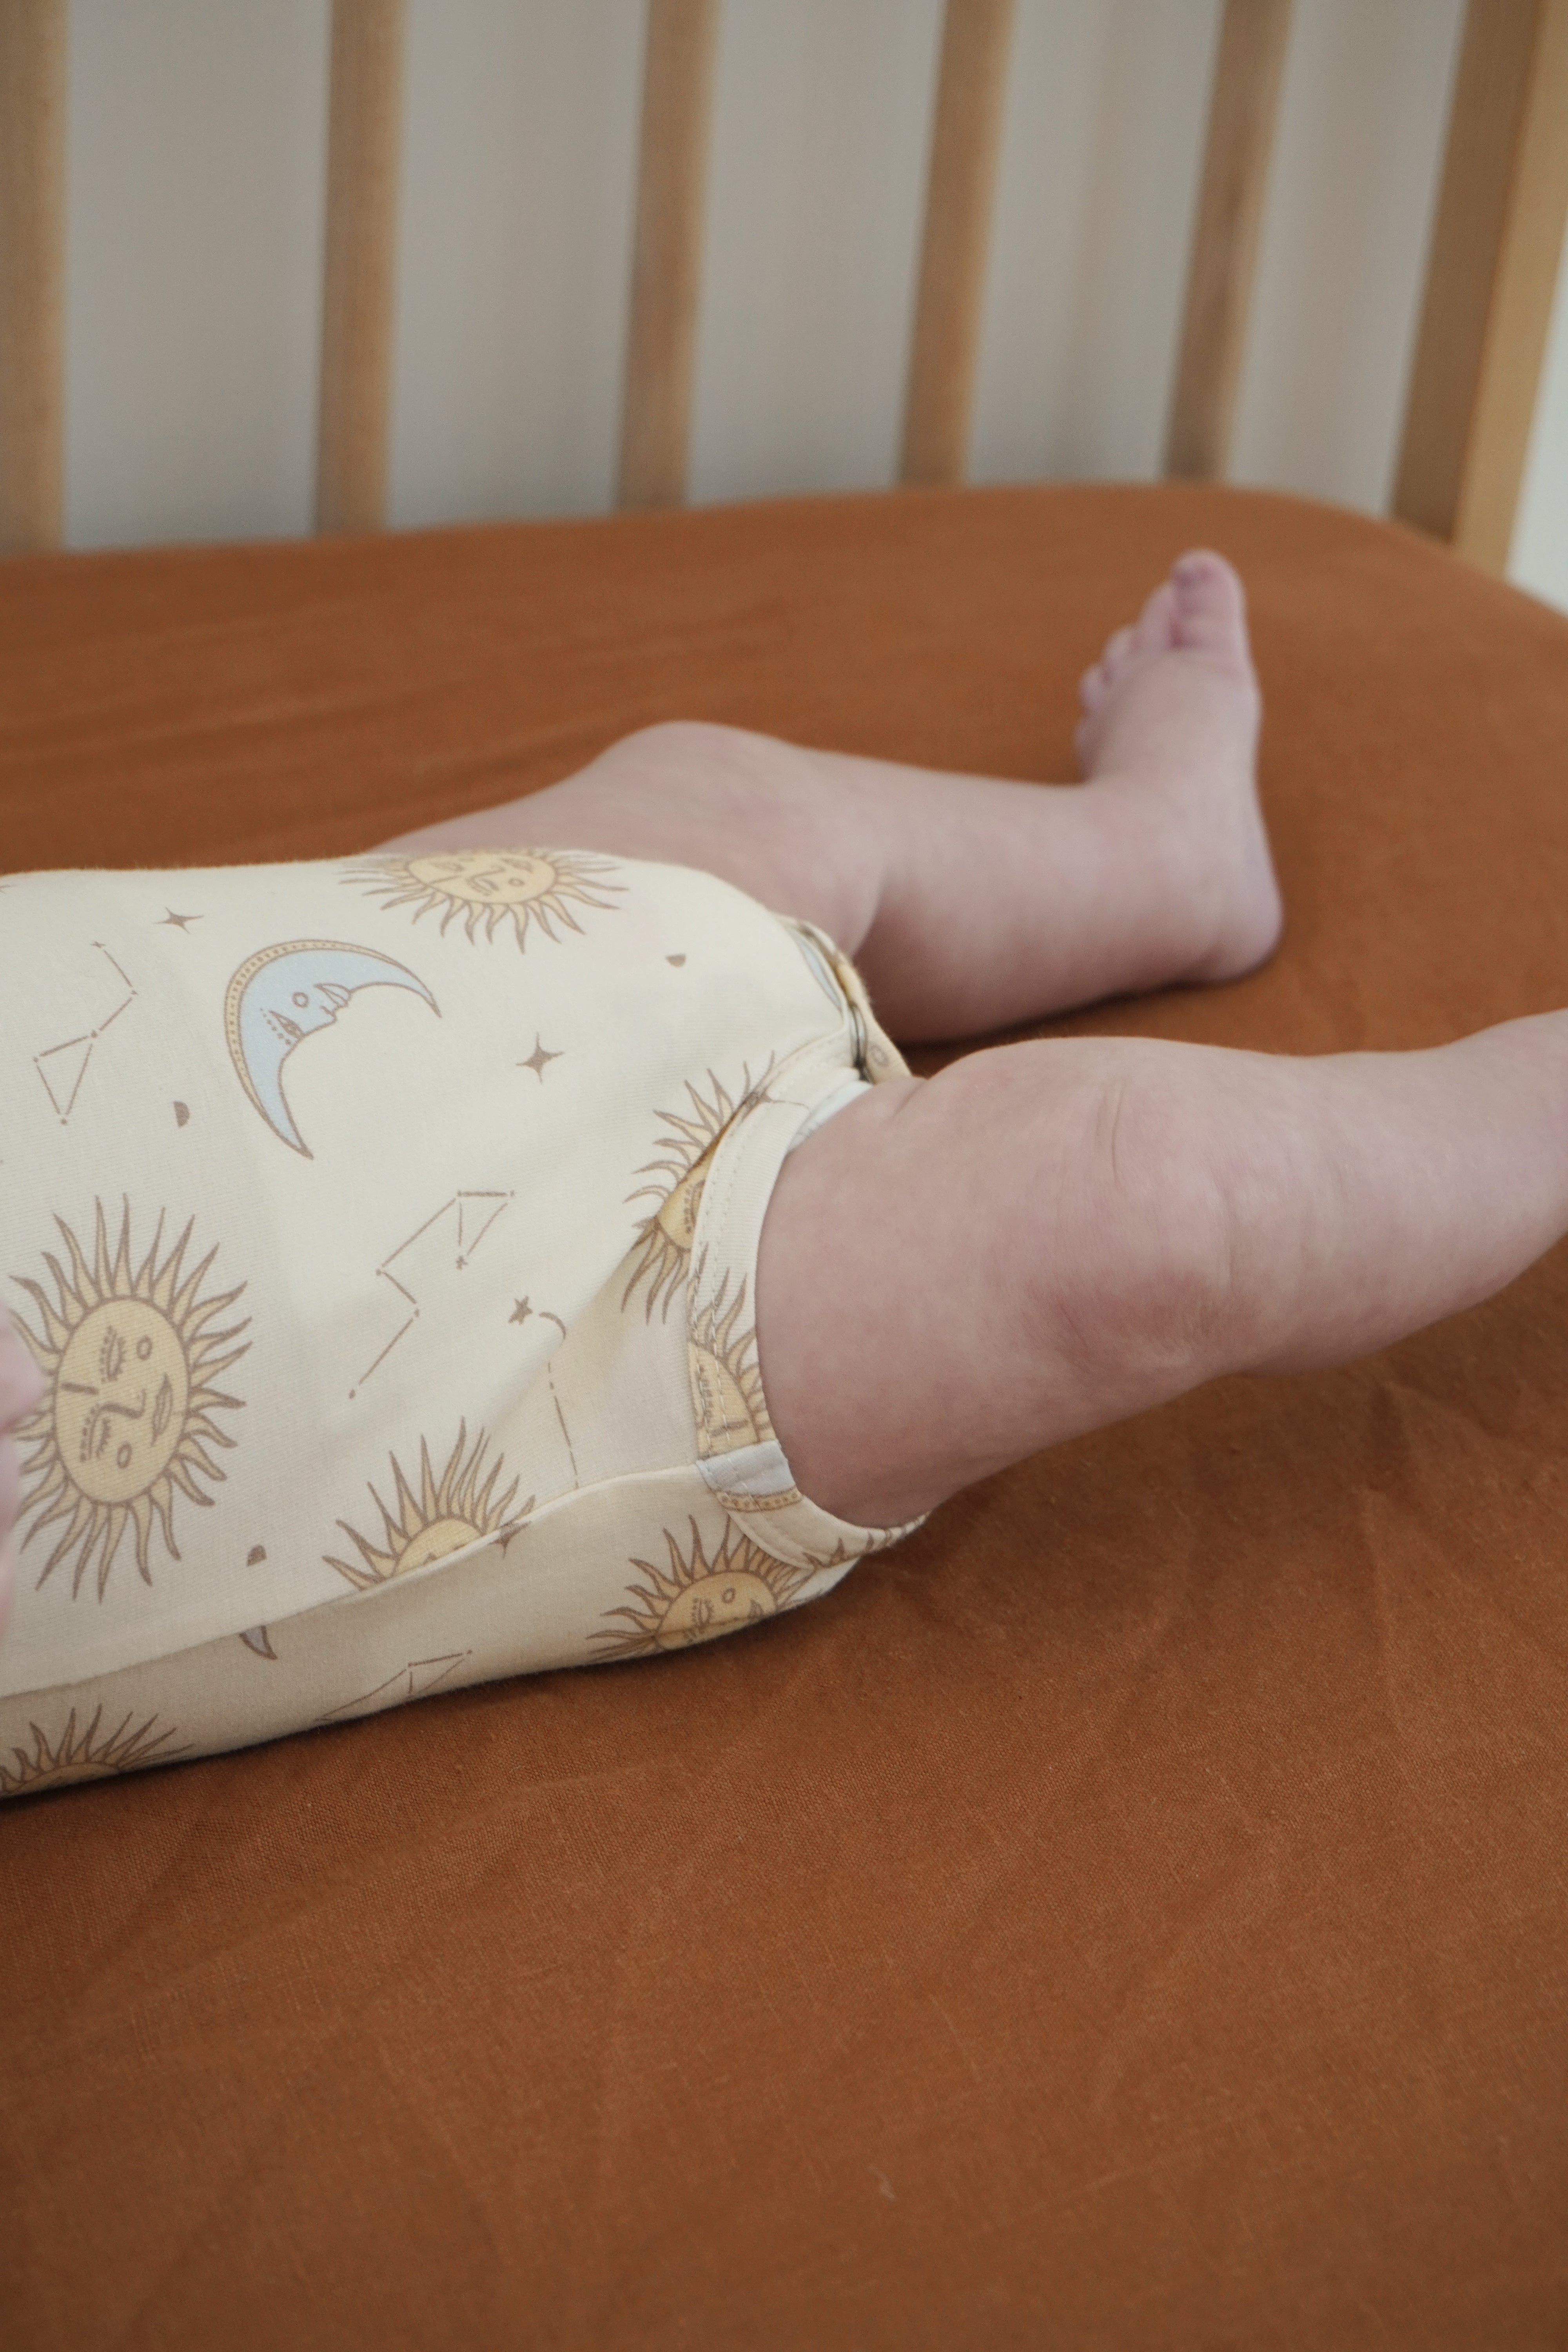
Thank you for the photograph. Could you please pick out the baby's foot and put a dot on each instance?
(1172, 708)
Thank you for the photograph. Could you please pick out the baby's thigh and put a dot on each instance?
(956, 1273)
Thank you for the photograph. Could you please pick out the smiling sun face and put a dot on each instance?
(132, 1358)
(697, 1598)
(662, 1249)
(443, 1514)
(89, 1755)
(485, 889)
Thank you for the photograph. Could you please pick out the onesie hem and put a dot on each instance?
(739, 1456)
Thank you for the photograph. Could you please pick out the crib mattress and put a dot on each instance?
(1135, 1911)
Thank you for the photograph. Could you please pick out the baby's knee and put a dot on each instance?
(1135, 1276)
(761, 812)
(683, 756)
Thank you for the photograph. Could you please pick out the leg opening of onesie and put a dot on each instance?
(737, 1453)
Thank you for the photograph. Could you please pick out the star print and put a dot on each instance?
(521, 1312)
(537, 1060)
(181, 922)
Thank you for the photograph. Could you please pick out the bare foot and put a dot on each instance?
(1172, 706)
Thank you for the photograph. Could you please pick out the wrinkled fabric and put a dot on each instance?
(330, 1423)
(1133, 1911)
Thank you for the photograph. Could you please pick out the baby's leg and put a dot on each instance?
(970, 903)
(1050, 1236)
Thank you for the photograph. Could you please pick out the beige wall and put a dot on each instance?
(196, 192)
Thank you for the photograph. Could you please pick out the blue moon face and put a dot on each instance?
(281, 995)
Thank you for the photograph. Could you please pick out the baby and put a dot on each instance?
(834, 1294)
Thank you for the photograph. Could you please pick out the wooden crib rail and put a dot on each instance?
(363, 141)
(667, 260)
(1244, 108)
(966, 143)
(32, 272)
(1496, 250)
(1489, 285)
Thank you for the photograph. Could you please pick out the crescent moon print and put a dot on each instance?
(485, 888)
(285, 993)
(131, 1360)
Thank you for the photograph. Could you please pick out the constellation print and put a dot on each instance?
(418, 1679)
(442, 1247)
(63, 1067)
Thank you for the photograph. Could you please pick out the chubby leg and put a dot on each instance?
(1050, 1236)
(970, 903)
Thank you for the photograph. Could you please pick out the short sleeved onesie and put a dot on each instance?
(385, 1231)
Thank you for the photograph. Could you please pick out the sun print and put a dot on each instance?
(696, 1598)
(486, 889)
(88, 1754)
(726, 1376)
(133, 1354)
(441, 1515)
(675, 1177)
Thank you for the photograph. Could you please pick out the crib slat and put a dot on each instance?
(1243, 112)
(667, 265)
(1491, 279)
(32, 272)
(1520, 317)
(364, 140)
(967, 141)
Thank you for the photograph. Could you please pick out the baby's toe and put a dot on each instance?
(1153, 634)
(1208, 604)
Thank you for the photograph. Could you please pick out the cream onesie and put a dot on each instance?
(385, 1230)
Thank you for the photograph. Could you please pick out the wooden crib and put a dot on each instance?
(1490, 276)
(1135, 1911)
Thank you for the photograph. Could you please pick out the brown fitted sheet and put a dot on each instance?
(1133, 1913)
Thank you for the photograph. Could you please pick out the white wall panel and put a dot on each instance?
(195, 190)
(1102, 151)
(816, 194)
(521, 128)
(1345, 236)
